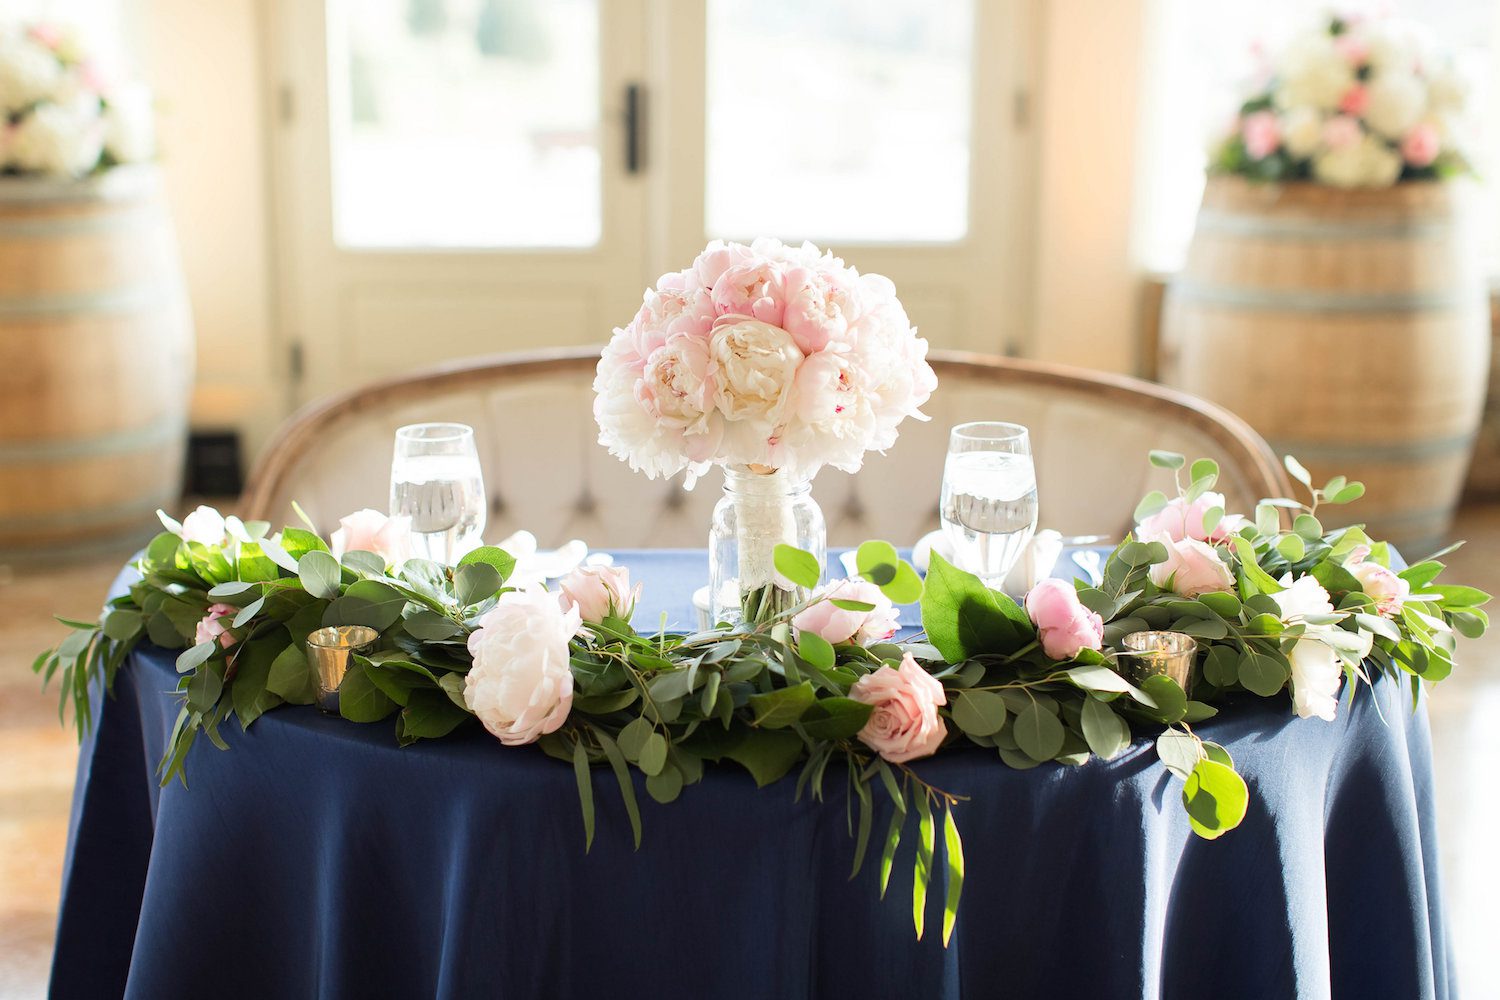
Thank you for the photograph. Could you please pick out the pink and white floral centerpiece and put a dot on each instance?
(771, 361)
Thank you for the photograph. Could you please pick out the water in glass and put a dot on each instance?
(436, 481)
(989, 498)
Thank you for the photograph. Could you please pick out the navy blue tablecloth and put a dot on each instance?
(315, 858)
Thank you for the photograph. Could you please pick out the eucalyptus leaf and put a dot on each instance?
(1216, 799)
(1038, 732)
(978, 713)
(320, 574)
(798, 566)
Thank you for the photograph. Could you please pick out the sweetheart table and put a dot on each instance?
(316, 858)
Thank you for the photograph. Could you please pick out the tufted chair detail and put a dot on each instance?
(544, 470)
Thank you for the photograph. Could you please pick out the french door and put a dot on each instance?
(459, 177)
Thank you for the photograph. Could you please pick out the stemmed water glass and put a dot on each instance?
(989, 502)
(437, 482)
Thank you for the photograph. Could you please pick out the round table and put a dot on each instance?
(316, 858)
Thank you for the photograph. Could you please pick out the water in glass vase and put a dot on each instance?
(989, 510)
(444, 496)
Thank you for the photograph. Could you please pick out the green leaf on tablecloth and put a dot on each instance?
(978, 713)
(1179, 752)
(922, 867)
(204, 686)
(1221, 667)
(123, 624)
(252, 673)
(1171, 702)
(835, 718)
(653, 756)
(366, 602)
(1198, 711)
(964, 618)
(1107, 734)
(585, 779)
(428, 714)
(1098, 677)
(189, 659)
(953, 850)
(632, 737)
(1217, 753)
(798, 566)
(502, 561)
(1216, 799)
(622, 778)
(766, 754)
(1261, 674)
(429, 626)
(360, 700)
(780, 708)
(1038, 732)
(320, 574)
(474, 583)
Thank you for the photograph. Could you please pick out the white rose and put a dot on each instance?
(521, 686)
(1301, 132)
(1302, 597)
(204, 525)
(57, 139)
(1397, 101)
(1313, 74)
(28, 72)
(1367, 163)
(129, 127)
(1316, 674)
(753, 365)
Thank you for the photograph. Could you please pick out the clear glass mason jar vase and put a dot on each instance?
(759, 509)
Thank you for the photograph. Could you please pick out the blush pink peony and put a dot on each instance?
(1181, 519)
(371, 531)
(1192, 568)
(1262, 134)
(837, 624)
(905, 724)
(213, 628)
(1063, 624)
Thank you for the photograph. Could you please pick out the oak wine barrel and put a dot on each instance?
(1349, 327)
(96, 362)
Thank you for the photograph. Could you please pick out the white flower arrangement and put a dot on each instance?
(59, 116)
(1355, 103)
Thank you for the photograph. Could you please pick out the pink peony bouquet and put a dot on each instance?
(1356, 102)
(766, 355)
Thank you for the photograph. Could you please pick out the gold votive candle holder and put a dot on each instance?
(330, 650)
(1169, 654)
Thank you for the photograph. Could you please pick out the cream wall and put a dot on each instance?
(1087, 288)
(203, 58)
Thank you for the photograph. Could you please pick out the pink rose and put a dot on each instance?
(1355, 100)
(1262, 134)
(838, 625)
(1180, 519)
(1381, 585)
(754, 289)
(1421, 145)
(905, 724)
(1341, 132)
(371, 531)
(1064, 624)
(599, 592)
(1192, 568)
(212, 626)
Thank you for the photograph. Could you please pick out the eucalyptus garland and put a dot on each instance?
(1274, 602)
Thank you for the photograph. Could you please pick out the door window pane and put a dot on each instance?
(464, 123)
(839, 119)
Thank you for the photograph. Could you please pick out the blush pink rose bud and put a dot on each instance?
(1262, 134)
(521, 684)
(371, 531)
(1063, 623)
(1192, 568)
(1381, 585)
(1356, 100)
(839, 625)
(905, 724)
(212, 627)
(1421, 145)
(599, 592)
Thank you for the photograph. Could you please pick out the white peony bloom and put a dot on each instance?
(1397, 101)
(1301, 132)
(204, 525)
(521, 686)
(1316, 675)
(1313, 74)
(61, 140)
(1302, 597)
(753, 366)
(129, 126)
(1366, 163)
(28, 73)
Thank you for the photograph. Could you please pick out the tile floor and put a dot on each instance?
(37, 759)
